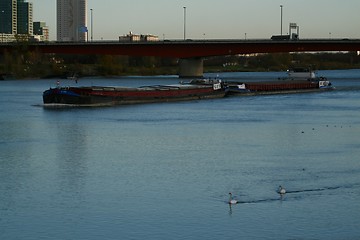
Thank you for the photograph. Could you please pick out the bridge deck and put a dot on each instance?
(191, 48)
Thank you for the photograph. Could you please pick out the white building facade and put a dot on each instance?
(71, 20)
(138, 38)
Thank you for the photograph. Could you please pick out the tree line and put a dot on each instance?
(22, 63)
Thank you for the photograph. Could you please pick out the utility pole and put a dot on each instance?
(184, 23)
(92, 26)
(281, 19)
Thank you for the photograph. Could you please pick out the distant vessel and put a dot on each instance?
(73, 76)
(6, 77)
(302, 73)
(106, 96)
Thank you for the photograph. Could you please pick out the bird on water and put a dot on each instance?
(281, 190)
(231, 200)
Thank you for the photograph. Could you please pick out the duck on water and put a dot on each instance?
(231, 200)
(281, 190)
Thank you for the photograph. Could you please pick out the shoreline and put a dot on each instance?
(150, 75)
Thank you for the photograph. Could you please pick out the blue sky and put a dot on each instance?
(214, 19)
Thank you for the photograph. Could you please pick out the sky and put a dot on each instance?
(210, 19)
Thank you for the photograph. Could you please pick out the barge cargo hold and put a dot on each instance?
(107, 96)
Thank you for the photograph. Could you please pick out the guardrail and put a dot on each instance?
(180, 41)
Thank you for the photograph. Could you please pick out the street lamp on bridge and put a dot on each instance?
(281, 19)
(92, 26)
(184, 23)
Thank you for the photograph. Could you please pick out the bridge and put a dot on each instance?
(191, 52)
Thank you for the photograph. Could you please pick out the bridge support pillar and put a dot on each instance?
(191, 67)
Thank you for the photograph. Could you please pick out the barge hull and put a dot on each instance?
(276, 87)
(105, 96)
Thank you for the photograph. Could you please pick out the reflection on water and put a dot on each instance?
(163, 171)
(70, 153)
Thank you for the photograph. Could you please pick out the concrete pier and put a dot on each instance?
(191, 68)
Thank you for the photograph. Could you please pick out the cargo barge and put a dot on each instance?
(298, 80)
(107, 96)
(280, 86)
(192, 90)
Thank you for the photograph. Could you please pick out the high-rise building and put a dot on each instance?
(16, 18)
(8, 16)
(71, 20)
(24, 17)
(41, 31)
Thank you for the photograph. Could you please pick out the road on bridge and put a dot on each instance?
(190, 48)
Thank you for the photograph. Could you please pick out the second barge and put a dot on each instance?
(298, 80)
(274, 87)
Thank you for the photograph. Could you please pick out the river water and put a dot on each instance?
(164, 170)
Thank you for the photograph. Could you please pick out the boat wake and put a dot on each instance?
(55, 105)
(64, 106)
(258, 201)
(294, 194)
(313, 190)
(348, 186)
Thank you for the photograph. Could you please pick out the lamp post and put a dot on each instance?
(281, 19)
(92, 26)
(184, 23)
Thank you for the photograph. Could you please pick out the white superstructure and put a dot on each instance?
(71, 20)
(301, 73)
